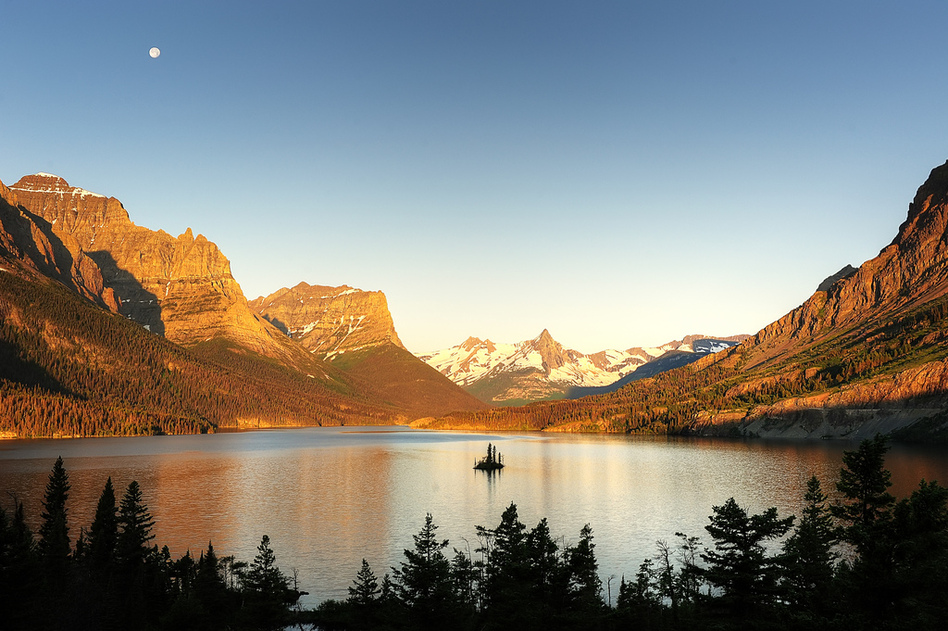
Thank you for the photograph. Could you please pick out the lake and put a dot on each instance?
(329, 497)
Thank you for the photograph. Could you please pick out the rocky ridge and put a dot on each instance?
(180, 287)
(328, 321)
(856, 307)
(31, 241)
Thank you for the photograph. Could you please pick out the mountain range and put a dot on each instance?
(112, 328)
(542, 369)
(108, 328)
(866, 353)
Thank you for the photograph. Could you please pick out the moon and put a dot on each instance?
(154, 52)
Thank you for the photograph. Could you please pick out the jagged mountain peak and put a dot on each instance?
(551, 352)
(930, 195)
(542, 368)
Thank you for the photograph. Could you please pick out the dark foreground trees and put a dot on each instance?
(858, 560)
(115, 578)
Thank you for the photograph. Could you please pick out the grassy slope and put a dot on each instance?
(396, 377)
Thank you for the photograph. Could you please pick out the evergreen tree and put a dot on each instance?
(365, 590)
(103, 533)
(920, 556)
(865, 513)
(810, 555)
(584, 585)
(548, 577)
(54, 531)
(267, 592)
(424, 580)
(135, 525)
(739, 565)
(863, 484)
(507, 595)
(19, 573)
(363, 602)
(211, 590)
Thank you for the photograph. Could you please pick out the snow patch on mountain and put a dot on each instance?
(480, 361)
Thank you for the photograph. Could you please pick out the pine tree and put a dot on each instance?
(19, 572)
(210, 591)
(266, 590)
(863, 483)
(135, 526)
(739, 564)
(103, 533)
(810, 555)
(54, 531)
(424, 580)
(585, 588)
(365, 589)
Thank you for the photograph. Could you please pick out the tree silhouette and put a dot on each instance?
(424, 580)
(739, 565)
(267, 593)
(365, 589)
(135, 526)
(54, 531)
(103, 533)
(810, 555)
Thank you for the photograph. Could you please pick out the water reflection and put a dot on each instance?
(328, 497)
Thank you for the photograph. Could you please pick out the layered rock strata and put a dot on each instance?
(329, 321)
(180, 287)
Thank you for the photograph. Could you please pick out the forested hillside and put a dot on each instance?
(69, 368)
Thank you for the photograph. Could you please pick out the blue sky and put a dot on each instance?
(621, 173)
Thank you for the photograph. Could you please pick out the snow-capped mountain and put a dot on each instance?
(541, 368)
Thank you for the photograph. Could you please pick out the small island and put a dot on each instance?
(492, 461)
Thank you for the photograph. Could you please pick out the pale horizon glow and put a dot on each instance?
(620, 173)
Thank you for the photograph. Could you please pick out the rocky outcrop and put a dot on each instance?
(180, 287)
(329, 321)
(33, 242)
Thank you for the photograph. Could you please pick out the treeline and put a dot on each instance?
(670, 402)
(69, 368)
(114, 577)
(864, 561)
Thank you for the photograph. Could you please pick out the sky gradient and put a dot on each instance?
(620, 173)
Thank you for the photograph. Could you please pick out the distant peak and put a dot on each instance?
(49, 183)
(41, 182)
(471, 342)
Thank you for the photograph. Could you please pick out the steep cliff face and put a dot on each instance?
(179, 287)
(328, 321)
(879, 331)
(31, 241)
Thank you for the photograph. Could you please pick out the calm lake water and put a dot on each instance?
(329, 497)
